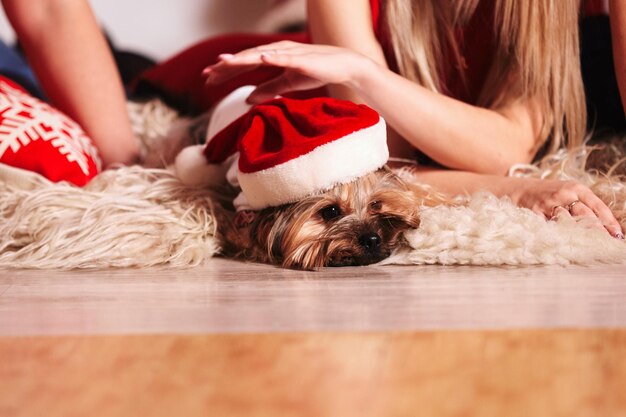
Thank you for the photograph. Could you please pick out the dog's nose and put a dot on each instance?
(370, 241)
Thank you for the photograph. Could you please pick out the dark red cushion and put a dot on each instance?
(179, 79)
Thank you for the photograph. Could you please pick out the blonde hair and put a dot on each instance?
(536, 55)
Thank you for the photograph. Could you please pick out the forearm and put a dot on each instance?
(453, 133)
(618, 31)
(327, 26)
(543, 196)
(456, 183)
(70, 56)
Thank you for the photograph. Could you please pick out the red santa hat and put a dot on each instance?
(286, 149)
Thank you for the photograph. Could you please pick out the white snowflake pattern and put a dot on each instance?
(24, 119)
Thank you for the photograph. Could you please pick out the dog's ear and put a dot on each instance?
(245, 233)
(265, 235)
(400, 207)
(396, 201)
(406, 179)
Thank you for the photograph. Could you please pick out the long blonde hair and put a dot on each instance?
(536, 55)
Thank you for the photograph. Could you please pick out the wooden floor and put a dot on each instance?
(235, 339)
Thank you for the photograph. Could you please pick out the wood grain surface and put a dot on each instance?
(226, 296)
(511, 373)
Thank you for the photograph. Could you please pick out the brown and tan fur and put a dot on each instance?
(359, 223)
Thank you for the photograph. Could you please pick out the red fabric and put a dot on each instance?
(596, 7)
(39, 138)
(476, 41)
(382, 34)
(283, 129)
(477, 44)
(180, 80)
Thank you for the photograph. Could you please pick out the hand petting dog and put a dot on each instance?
(312, 66)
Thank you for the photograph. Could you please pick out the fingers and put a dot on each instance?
(230, 66)
(253, 55)
(294, 78)
(292, 60)
(224, 70)
(581, 202)
(559, 212)
(275, 87)
(579, 209)
(602, 212)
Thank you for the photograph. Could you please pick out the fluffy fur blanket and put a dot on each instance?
(140, 217)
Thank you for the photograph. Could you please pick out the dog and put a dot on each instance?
(358, 223)
(292, 163)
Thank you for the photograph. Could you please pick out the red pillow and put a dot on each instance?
(180, 82)
(36, 137)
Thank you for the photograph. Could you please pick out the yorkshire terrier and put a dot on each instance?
(359, 223)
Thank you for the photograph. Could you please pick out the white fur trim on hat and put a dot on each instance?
(193, 169)
(338, 162)
(191, 165)
(228, 110)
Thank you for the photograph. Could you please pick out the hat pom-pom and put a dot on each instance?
(192, 168)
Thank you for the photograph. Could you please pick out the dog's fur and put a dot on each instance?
(371, 215)
(358, 223)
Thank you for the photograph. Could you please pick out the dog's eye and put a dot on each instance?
(376, 205)
(330, 212)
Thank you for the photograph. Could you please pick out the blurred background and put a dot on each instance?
(160, 28)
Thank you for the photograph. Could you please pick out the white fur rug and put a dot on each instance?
(130, 217)
(138, 217)
(490, 231)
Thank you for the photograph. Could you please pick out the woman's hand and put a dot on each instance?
(548, 198)
(554, 198)
(306, 67)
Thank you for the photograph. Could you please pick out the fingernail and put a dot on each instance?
(207, 71)
(226, 57)
(619, 236)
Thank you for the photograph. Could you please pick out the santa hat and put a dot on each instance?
(286, 149)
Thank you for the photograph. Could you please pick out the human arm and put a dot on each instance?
(618, 31)
(543, 196)
(453, 133)
(327, 26)
(71, 59)
(496, 139)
